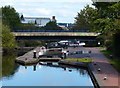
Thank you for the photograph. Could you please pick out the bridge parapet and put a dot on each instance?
(56, 34)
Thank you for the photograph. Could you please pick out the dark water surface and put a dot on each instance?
(42, 75)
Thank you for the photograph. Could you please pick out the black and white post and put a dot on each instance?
(34, 54)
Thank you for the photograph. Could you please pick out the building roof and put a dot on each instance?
(36, 18)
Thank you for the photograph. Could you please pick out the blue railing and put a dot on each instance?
(50, 31)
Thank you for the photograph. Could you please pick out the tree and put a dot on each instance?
(104, 18)
(116, 44)
(109, 24)
(86, 17)
(103, 9)
(8, 40)
(51, 26)
(10, 17)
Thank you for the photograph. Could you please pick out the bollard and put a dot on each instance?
(99, 69)
(90, 52)
(105, 78)
(34, 54)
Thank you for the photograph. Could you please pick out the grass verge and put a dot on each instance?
(100, 47)
(116, 64)
(83, 60)
(106, 53)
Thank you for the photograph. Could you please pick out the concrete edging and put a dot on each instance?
(73, 63)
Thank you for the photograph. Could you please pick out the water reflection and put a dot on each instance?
(82, 71)
(34, 68)
(64, 68)
(43, 74)
(9, 67)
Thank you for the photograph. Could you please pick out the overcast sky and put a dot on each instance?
(64, 10)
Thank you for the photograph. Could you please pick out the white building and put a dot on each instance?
(36, 20)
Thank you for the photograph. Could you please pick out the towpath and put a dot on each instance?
(107, 70)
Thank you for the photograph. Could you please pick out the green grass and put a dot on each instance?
(106, 53)
(100, 47)
(116, 64)
(83, 60)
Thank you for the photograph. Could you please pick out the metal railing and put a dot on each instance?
(50, 31)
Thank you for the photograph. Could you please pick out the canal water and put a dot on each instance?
(42, 75)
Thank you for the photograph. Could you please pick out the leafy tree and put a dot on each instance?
(8, 40)
(104, 18)
(108, 14)
(51, 26)
(116, 44)
(103, 9)
(86, 17)
(10, 17)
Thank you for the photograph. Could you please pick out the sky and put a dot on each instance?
(64, 10)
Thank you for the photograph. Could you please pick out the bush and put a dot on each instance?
(31, 43)
(8, 40)
(51, 26)
(108, 44)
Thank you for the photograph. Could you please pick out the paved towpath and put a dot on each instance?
(106, 70)
(113, 77)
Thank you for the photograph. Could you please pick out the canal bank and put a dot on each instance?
(103, 71)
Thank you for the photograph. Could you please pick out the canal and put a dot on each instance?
(14, 74)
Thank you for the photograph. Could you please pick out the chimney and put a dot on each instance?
(53, 18)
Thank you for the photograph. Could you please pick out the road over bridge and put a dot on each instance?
(85, 36)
